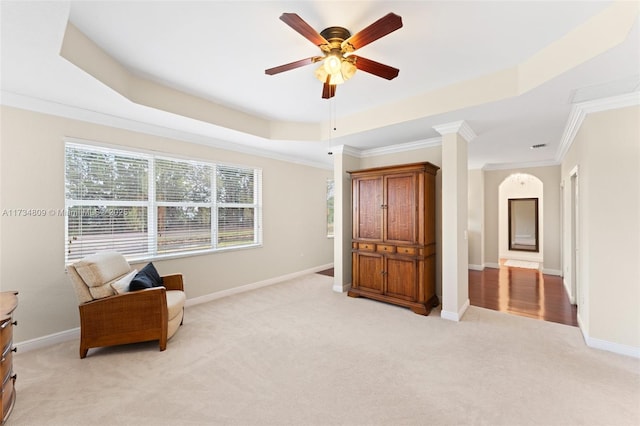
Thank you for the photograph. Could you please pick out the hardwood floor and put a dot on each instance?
(525, 292)
(327, 272)
(519, 291)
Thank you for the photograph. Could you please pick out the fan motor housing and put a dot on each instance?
(335, 34)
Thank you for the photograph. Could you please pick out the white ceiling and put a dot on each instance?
(218, 50)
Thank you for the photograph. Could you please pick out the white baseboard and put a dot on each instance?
(567, 290)
(49, 340)
(581, 326)
(74, 333)
(547, 271)
(605, 345)
(617, 348)
(341, 288)
(476, 267)
(455, 316)
(248, 287)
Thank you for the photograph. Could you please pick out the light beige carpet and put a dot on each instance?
(297, 353)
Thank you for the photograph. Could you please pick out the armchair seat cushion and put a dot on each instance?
(175, 303)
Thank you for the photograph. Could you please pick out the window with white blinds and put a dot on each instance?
(147, 206)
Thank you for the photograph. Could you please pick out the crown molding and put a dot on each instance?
(574, 122)
(403, 147)
(524, 165)
(346, 149)
(580, 110)
(467, 132)
(461, 127)
(386, 150)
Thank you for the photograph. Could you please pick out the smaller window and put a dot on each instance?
(330, 202)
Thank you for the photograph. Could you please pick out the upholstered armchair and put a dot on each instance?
(110, 314)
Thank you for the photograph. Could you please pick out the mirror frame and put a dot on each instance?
(534, 248)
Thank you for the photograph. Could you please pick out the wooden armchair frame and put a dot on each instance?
(137, 316)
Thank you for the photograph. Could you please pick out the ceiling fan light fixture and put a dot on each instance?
(321, 74)
(345, 70)
(332, 64)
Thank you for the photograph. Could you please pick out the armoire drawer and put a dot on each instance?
(407, 250)
(385, 248)
(367, 246)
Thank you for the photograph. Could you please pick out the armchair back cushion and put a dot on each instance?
(99, 270)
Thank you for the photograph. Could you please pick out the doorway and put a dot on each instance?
(573, 237)
(516, 188)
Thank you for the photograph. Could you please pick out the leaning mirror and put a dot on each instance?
(523, 224)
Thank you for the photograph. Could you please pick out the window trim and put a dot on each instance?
(151, 203)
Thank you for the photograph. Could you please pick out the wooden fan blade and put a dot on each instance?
(375, 68)
(304, 29)
(328, 90)
(383, 26)
(293, 65)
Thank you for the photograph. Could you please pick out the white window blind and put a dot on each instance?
(144, 205)
(183, 203)
(238, 200)
(106, 202)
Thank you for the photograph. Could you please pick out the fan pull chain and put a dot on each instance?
(332, 123)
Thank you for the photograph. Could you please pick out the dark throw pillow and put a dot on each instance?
(148, 277)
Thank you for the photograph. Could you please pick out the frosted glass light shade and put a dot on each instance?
(345, 71)
(332, 64)
(321, 74)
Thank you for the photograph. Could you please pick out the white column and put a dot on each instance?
(344, 159)
(455, 249)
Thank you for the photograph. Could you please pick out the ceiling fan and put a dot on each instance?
(337, 44)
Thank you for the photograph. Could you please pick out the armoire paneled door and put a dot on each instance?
(394, 244)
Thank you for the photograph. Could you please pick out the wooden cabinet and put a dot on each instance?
(8, 303)
(394, 244)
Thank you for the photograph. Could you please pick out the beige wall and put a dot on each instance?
(343, 219)
(550, 177)
(476, 218)
(606, 151)
(32, 176)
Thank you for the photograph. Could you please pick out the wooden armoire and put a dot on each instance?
(394, 235)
